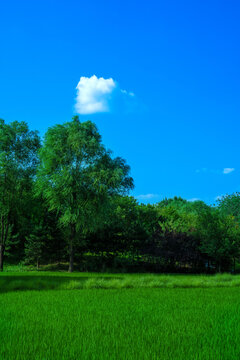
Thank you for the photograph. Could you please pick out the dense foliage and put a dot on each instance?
(66, 201)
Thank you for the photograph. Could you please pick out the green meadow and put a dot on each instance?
(61, 316)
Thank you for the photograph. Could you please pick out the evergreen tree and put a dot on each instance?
(34, 246)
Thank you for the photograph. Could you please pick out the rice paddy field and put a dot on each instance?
(94, 316)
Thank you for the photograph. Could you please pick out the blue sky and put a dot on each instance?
(169, 100)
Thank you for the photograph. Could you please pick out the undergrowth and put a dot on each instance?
(64, 281)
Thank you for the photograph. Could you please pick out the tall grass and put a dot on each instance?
(63, 281)
(132, 324)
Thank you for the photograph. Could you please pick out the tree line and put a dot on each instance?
(64, 200)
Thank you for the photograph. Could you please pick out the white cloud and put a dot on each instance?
(202, 170)
(228, 170)
(215, 171)
(96, 95)
(127, 93)
(147, 196)
(93, 94)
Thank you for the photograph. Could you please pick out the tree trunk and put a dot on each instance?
(71, 247)
(37, 264)
(3, 240)
(71, 257)
(1, 256)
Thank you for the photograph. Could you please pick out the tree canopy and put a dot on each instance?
(77, 176)
(66, 201)
(18, 161)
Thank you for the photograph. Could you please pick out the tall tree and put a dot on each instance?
(77, 176)
(18, 160)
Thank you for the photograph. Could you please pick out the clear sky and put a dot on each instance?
(169, 97)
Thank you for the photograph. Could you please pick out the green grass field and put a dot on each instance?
(119, 317)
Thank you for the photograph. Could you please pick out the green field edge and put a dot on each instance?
(77, 281)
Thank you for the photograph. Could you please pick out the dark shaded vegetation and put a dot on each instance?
(35, 280)
(64, 203)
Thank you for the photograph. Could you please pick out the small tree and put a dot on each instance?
(77, 176)
(34, 247)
